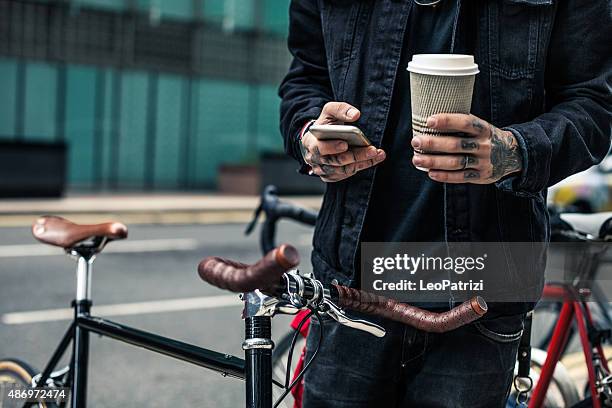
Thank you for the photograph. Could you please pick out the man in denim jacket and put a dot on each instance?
(540, 112)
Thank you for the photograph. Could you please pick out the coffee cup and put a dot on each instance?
(439, 83)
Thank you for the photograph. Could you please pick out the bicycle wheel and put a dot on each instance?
(17, 373)
(585, 403)
(546, 315)
(280, 355)
(562, 391)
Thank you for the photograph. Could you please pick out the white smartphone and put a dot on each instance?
(351, 134)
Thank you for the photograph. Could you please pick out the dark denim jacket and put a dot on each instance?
(545, 73)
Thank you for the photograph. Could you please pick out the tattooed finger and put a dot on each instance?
(461, 176)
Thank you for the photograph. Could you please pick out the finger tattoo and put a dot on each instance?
(469, 145)
(471, 175)
(328, 170)
(469, 160)
(477, 125)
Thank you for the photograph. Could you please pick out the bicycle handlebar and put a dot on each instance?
(266, 275)
(421, 319)
(239, 277)
(299, 214)
(273, 210)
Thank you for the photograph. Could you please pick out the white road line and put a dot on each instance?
(305, 239)
(148, 245)
(124, 309)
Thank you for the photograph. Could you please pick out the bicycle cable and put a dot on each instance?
(307, 365)
(292, 347)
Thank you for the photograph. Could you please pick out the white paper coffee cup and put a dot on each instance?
(439, 83)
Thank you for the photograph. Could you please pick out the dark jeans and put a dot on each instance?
(470, 367)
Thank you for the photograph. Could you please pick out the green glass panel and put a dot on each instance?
(8, 85)
(231, 13)
(107, 160)
(182, 9)
(221, 128)
(39, 115)
(144, 5)
(169, 137)
(268, 134)
(132, 137)
(275, 16)
(104, 4)
(80, 123)
(214, 10)
(242, 12)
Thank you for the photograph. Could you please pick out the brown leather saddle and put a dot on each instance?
(60, 232)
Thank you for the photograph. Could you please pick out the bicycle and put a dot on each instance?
(574, 297)
(560, 391)
(269, 287)
(564, 227)
(274, 210)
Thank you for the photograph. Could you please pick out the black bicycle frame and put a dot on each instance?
(257, 371)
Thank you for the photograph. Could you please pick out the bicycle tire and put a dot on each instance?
(543, 341)
(13, 371)
(562, 391)
(585, 403)
(280, 354)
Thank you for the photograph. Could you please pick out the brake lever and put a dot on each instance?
(338, 315)
(251, 225)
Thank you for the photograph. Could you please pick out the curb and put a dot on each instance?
(162, 217)
(152, 209)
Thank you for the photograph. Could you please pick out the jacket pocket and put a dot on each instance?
(517, 35)
(342, 33)
(340, 19)
(327, 232)
(506, 329)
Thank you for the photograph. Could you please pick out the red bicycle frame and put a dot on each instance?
(572, 309)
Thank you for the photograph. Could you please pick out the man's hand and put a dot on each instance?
(335, 160)
(483, 155)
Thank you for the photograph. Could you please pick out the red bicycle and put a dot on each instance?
(596, 231)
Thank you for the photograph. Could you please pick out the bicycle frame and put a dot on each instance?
(573, 309)
(256, 369)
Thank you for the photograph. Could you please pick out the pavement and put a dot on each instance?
(149, 282)
(171, 208)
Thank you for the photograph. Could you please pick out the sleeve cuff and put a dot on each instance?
(536, 152)
(304, 167)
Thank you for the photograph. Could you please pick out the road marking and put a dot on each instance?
(305, 239)
(149, 245)
(124, 309)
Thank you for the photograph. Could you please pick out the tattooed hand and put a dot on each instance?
(483, 155)
(335, 160)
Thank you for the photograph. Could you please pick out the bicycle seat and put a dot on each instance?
(598, 224)
(60, 232)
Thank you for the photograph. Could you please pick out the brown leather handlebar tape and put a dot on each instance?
(240, 277)
(421, 319)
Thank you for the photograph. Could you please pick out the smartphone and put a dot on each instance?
(350, 134)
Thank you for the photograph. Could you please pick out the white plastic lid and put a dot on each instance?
(443, 64)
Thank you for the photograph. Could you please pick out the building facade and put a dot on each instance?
(146, 94)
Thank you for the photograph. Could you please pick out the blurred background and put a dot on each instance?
(162, 114)
(135, 95)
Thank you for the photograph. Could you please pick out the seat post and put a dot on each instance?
(83, 277)
(80, 344)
